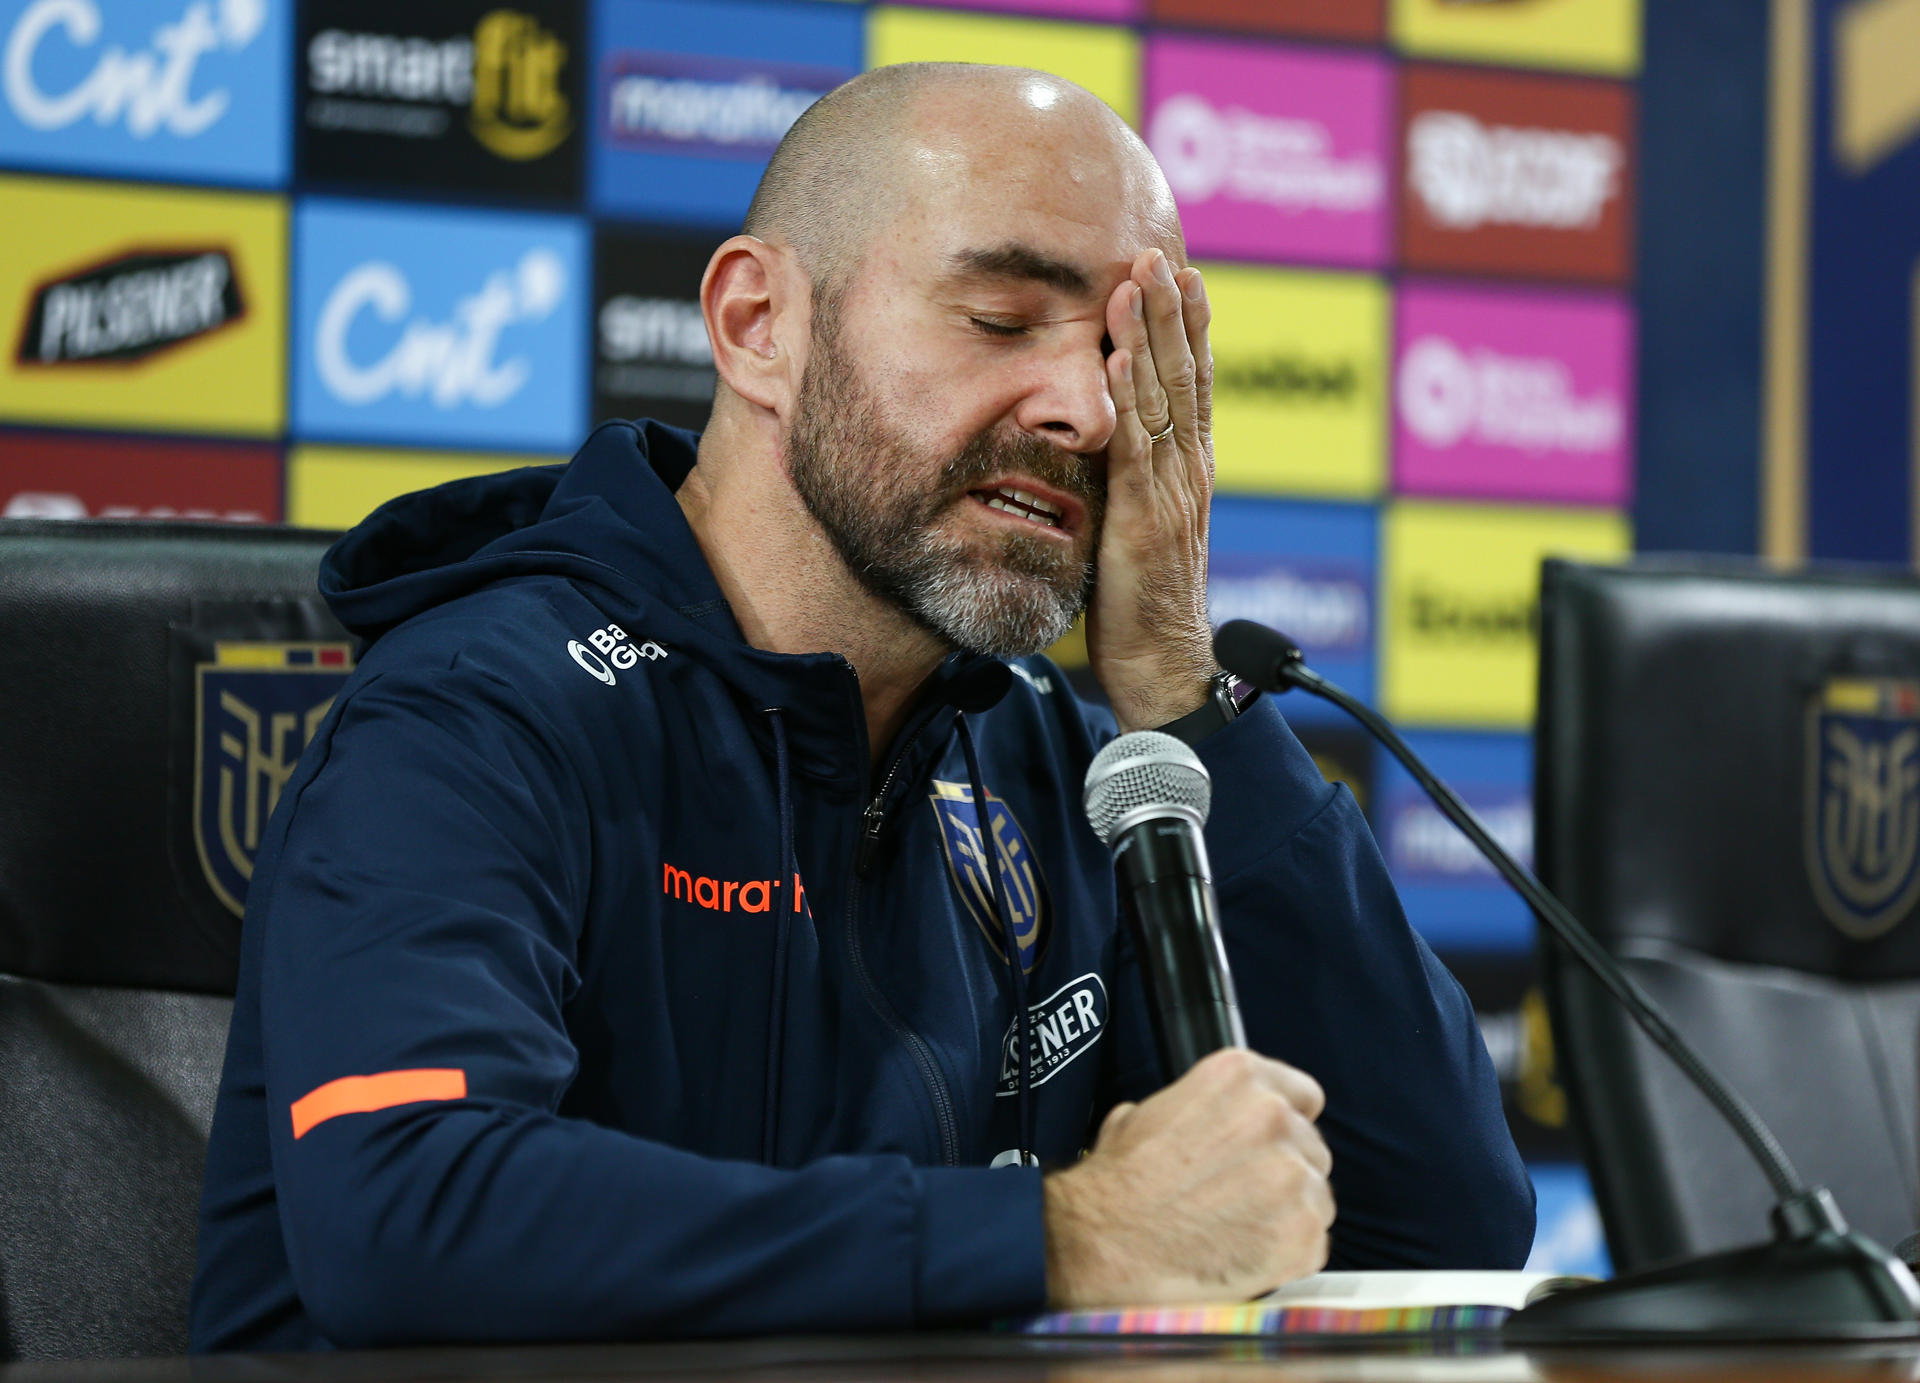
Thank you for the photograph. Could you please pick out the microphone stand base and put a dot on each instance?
(1826, 1285)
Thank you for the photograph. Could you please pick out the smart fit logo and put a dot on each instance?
(720, 895)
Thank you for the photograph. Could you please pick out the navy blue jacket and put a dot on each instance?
(590, 988)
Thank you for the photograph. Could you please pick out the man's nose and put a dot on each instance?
(1067, 402)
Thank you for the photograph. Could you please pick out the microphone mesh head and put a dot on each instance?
(1139, 772)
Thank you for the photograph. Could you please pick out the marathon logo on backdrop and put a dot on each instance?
(438, 327)
(1425, 848)
(651, 354)
(1513, 395)
(176, 88)
(1516, 174)
(1061, 1027)
(483, 98)
(1326, 607)
(1273, 153)
(131, 307)
(707, 106)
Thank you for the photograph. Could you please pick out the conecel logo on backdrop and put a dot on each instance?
(451, 361)
(1469, 174)
(130, 307)
(1288, 163)
(1448, 395)
(504, 77)
(711, 106)
(147, 89)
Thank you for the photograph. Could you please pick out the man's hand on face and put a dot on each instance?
(1147, 633)
(1212, 1190)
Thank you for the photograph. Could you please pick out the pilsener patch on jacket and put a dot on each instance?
(1063, 1025)
(967, 864)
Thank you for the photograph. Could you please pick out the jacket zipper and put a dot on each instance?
(873, 821)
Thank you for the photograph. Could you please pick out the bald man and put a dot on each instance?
(683, 922)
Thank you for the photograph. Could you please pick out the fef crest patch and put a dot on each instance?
(256, 705)
(1026, 889)
(1863, 802)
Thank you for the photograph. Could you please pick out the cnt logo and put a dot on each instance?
(149, 90)
(130, 307)
(451, 363)
(505, 75)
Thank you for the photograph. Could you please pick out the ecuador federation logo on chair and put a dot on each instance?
(256, 705)
(1026, 888)
(1863, 802)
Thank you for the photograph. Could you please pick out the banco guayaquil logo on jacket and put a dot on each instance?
(436, 328)
(158, 88)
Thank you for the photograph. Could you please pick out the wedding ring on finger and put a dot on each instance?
(1157, 438)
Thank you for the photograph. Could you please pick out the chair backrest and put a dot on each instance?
(1727, 792)
(155, 682)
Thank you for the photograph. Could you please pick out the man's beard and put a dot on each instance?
(869, 489)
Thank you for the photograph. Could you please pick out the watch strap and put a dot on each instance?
(1227, 698)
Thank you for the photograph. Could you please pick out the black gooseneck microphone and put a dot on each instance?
(1147, 796)
(1814, 1280)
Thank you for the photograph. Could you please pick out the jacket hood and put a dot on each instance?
(607, 519)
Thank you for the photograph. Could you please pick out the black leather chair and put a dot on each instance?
(151, 688)
(1727, 791)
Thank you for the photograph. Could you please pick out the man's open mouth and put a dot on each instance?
(1023, 505)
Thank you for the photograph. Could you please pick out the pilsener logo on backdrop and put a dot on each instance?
(134, 86)
(431, 327)
(130, 307)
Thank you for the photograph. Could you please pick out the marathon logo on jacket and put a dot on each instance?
(652, 358)
(691, 97)
(1513, 395)
(131, 307)
(156, 88)
(473, 96)
(1273, 154)
(439, 328)
(1862, 810)
(1061, 1027)
(143, 308)
(256, 705)
(1521, 175)
(1025, 886)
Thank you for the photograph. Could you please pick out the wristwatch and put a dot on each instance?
(1227, 698)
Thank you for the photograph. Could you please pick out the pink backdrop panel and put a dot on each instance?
(1512, 394)
(1275, 153)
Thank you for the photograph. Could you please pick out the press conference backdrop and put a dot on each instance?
(262, 261)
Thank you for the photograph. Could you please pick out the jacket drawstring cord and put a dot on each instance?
(990, 861)
(783, 930)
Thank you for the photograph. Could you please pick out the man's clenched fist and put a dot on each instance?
(1213, 1189)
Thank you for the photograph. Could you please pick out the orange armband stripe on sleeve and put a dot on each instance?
(365, 1094)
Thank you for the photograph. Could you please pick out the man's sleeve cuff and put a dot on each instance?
(1266, 786)
(981, 1251)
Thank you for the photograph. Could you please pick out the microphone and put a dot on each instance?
(1814, 1280)
(1147, 796)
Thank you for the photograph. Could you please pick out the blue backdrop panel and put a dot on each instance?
(1306, 568)
(692, 96)
(439, 328)
(1452, 895)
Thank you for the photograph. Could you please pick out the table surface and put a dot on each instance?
(1003, 1359)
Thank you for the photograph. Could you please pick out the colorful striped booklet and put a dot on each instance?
(1330, 1304)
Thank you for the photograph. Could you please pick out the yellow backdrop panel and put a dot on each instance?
(1580, 35)
(1103, 58)
(1300, 364)
(336, 487)
(1460, 591)
(225, 373)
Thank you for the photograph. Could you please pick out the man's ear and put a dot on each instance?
(748, 298)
